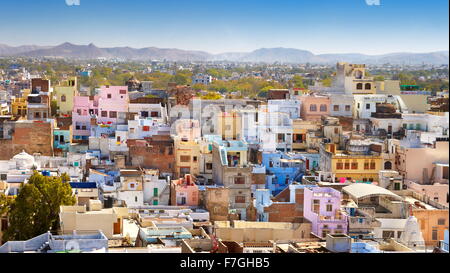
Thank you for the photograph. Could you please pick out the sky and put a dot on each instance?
(218, 26)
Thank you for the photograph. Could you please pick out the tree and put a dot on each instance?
(297, 81)
(54, 108)
(35, 210)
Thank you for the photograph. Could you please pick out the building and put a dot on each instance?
(77, 242)
(322, 206)
(243, 231)
(231, 169)
(65, 93)
(184, 192)
(313, 107)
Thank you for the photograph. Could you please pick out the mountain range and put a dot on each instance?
(263, 55)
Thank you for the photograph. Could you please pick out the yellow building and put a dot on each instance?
(19, 107)
(187, 157)
(229, 125)
(351, 166)
(300, 130)
(64, 95)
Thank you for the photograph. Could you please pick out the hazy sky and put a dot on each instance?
(216, 26)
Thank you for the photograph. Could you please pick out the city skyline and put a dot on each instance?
(320, 27)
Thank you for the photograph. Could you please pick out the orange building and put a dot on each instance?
(184, 192)
(433, 223)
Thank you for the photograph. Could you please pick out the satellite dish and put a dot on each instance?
(72, 245)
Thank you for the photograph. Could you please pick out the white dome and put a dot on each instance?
(24, 161)
(412, 236)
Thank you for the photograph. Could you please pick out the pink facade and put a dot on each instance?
(106, 107)
(314, 107)
(81, 118)
(184, 192)
(322, 206)
(112, 100)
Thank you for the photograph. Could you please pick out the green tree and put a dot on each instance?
(35, 210)
(298, 82)
(54, 108)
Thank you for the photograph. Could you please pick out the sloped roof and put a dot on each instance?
(362, 190)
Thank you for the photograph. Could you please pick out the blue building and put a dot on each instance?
(282, 170)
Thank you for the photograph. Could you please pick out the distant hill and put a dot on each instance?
(263, 55)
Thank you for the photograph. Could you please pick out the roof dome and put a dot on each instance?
(24, 161)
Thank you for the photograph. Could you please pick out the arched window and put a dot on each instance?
(388, 165)
(323, 108)
(313, 108)
(368, 86)
(63, 98)
(359, 86)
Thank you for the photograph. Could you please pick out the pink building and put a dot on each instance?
(184, 192)
(104, 107)
(313, 107)
(322, 206)
(112, 101)
(81, 117)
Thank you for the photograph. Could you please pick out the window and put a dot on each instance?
(144, 114)
(104, 114)
(368, 106)
(444, 172)
(109, 96)
(313, 108)
(366, 165)
(56, 138)
(113, 114)
(37, 115)
(154, 114)
(185, 158)
(123, 92)
(368, 86)
(61, 138)
(388, 234)
(336, 130)
(359, 86)
(354, 165)
(209, 166)
(339, 166)
(194, 159)
(240, 180)
(372, 165)
(347, 165)
(399, 234)
(329, 207)
(434, 235)
(316, 206)
(336, 108)
(347, 108)
(239, 199)
(63, 98)
(441, 222)
(155, 192)
(323, 108)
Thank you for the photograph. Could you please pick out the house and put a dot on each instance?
(358, 162)
(249, 232)
(77, 242)
(313, 107)
(231, 169)
(322, 206)
(282, 169)
(78, 218)
(38, 101)
(184, 192)
(187, 156)
(65, 93)
(84, 192)
(156, 188)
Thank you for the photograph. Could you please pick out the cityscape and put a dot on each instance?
(157, 148)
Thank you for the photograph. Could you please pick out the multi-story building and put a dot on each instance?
(322, 206)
